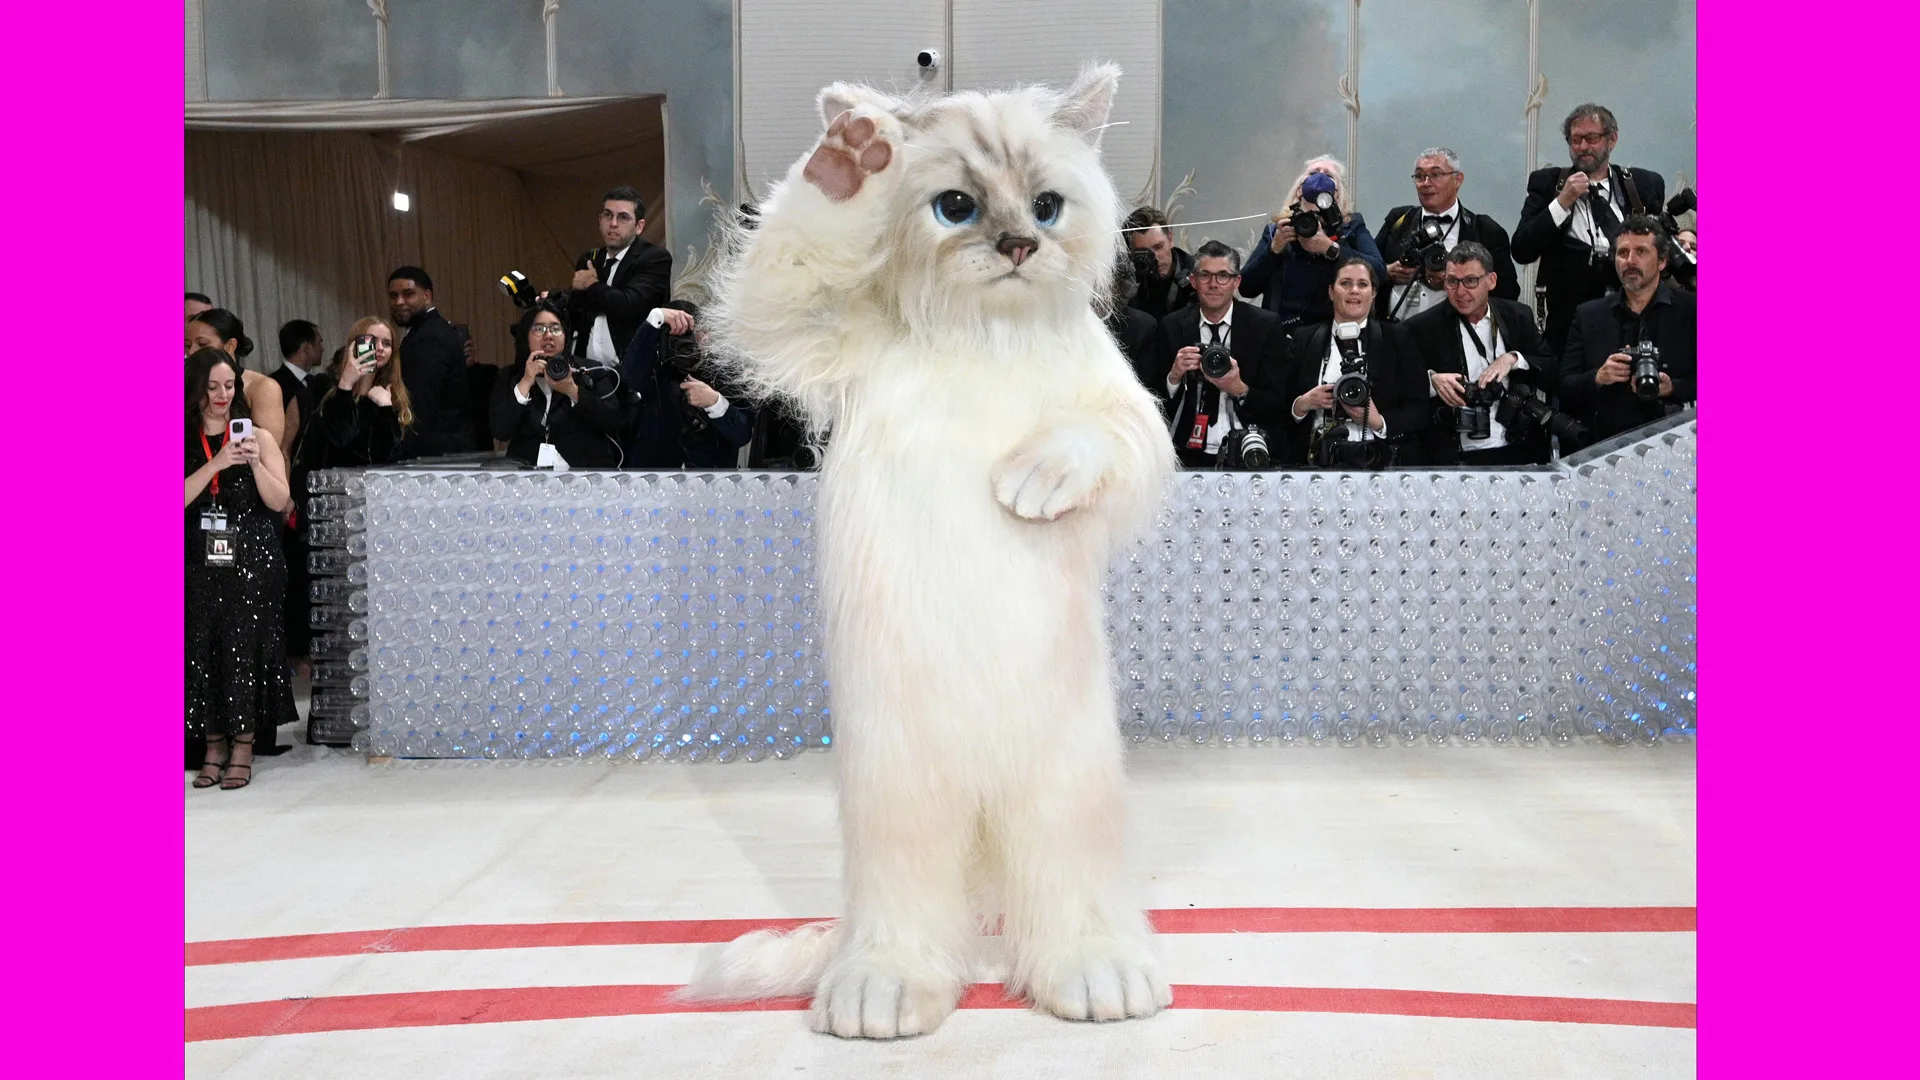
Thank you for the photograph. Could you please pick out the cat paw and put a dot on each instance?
(1047, 476)
(873, 998)
(858, 144)
(1102, 979)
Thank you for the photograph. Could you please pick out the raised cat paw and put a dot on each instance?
(858, 144)
(1047, 476)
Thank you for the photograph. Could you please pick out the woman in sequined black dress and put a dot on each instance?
(236, 645)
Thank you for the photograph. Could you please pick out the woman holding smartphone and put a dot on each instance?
(365, 416)
(237, 679)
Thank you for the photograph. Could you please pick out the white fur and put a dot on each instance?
(989, 447)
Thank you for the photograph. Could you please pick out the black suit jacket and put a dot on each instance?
(1437, 332)
(1567, 268)
(1603, 327)
(1135, 332)
(1395, 368)
(587, 434)
(658, 438)
(434, 368)
(1257, 342)
(639, 285)
(1397, 228)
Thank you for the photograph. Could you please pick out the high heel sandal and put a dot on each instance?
(230, 782)
(208, 779)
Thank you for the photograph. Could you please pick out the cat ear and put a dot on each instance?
(840, 97)
(1089, 101)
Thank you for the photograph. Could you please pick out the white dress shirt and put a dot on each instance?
(600, 348)
(1584, 226)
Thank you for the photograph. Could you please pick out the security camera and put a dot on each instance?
(928, 59)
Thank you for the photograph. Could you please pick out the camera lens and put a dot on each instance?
(1215, 361)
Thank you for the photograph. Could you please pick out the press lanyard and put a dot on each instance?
(207, 448)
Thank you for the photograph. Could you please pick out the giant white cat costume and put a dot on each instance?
(923, 282)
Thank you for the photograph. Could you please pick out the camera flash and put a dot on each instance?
(401, 202)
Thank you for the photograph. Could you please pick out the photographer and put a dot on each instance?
(365, 415)
(1131, 329)
(615, 286)
(685, 422)
(1161, 270)
(548, 402)
(1572, 214)
(1680, 221)
(1415, 240)
(1217, 368)
(1605, 384)
(1293, 265)
(1358, 384)
(1482, 350)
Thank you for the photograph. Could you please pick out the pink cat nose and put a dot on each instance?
(1017, 248)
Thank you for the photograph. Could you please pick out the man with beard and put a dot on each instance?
(1597, 386)
(1572, 215)
(433, 365)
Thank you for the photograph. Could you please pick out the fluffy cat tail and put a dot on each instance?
(763, 964)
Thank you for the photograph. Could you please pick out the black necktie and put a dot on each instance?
(1213, 332)
(1604, 218)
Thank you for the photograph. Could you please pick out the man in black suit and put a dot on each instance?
(1203, 409)
(1596, 385)
(433, 365)
(300, 355)
(1477, 338)
(1132, 329)
(1572, 215)
(1168, 285)
(684, 420)
(1436, 222)
(616, 285)
(1395, 414)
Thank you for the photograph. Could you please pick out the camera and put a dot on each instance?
(560, 366)
(1215, 361)
(1644, 358)
(681, 352)
(1525, 409)
(518, 289)
(928, 59)
(1336, 447)
(1475, 418)
(1146, 266)
(1426, 248)
(1317, 208)
(1247, 448)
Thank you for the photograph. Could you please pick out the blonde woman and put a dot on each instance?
(1291, 269)
(365, 417)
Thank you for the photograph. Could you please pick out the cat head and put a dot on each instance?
(1004, 209)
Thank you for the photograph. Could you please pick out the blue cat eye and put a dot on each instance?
(1046, 207)
(955, 208)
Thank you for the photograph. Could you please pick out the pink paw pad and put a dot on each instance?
(848, 153)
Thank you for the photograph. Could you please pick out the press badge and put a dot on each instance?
(213, 519)
(220, 546)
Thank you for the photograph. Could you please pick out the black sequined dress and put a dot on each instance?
(237, 678)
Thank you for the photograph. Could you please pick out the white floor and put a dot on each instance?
(324, 842)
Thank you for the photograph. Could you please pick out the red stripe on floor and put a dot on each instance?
(439, 1008)
(1526, 920)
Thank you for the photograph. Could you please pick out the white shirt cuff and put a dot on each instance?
(656, 318)
(1520, 362)
(1558, 213)
(719, 408)
(520, 397)
(1432, 391)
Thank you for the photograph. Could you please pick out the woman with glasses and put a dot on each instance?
(1291, 269)
(365, 417)
(548, 399)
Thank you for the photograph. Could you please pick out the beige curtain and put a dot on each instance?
(301, 225)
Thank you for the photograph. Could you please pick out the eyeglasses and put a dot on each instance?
(547, 329)
(608, 215)
(1218, 277)
(1434, 177)
(1586, 140)
(1472, 282)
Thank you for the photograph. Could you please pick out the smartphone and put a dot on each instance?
(239, 428)
(363, 350)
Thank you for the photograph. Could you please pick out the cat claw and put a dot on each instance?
(853, 149)
(1043, 480)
